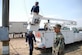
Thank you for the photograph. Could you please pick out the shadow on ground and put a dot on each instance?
(73, 47)
(68, 48)
(47, 51)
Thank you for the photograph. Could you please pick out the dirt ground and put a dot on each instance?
(18, 47)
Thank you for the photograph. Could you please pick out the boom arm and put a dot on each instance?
(66, 22)
(35, 27)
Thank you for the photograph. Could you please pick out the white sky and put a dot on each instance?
(63, 9)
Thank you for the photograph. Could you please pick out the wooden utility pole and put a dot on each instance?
(5, 23)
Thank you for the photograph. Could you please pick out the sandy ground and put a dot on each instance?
(18, 47)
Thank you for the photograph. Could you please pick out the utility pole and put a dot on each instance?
(5, 23)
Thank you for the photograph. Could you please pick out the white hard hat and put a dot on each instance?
(30, 31)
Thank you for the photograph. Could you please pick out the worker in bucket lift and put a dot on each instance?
(58, 44)
(35, 8)
(29, 38)
(35, 13)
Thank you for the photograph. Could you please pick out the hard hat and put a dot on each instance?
(30, 31)
(57, 26)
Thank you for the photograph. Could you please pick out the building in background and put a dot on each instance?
(17, 28)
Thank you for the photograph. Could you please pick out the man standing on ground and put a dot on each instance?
(29, 38)
(58, 45)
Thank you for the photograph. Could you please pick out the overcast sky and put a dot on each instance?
(63, 9)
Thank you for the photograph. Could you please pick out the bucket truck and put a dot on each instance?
(46, 35)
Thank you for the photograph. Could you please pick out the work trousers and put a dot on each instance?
(31, 49)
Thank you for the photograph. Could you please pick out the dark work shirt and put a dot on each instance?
(30, 38)
(35, 9)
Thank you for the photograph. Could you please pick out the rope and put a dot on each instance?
(42, 12)
(26, 9)
(14, 49)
